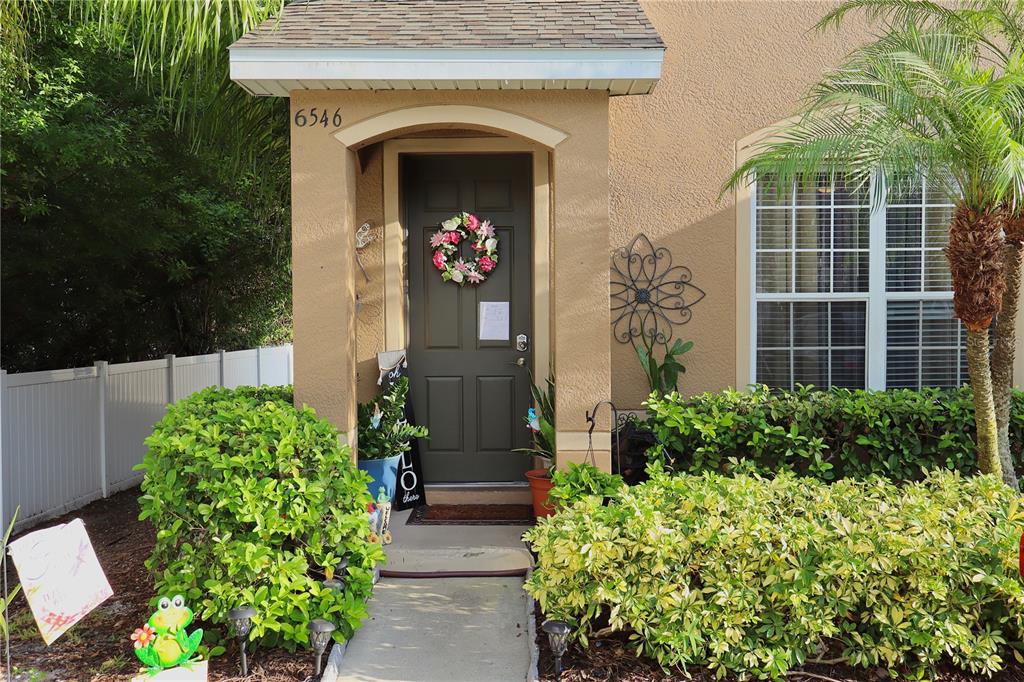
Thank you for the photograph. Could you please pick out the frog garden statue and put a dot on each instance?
(162, 642)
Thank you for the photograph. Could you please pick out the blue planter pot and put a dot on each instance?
(384, 473)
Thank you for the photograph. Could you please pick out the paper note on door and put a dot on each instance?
(494, 320)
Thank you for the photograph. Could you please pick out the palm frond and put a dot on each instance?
(915, 101)
(180, 48)
(995, 25)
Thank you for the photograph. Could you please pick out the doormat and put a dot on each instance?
(472, 515)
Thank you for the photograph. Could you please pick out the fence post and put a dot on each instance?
(3, 394)
(101, 407)
(259, 366)
(291, 352)
(220, 368)
(170, 377)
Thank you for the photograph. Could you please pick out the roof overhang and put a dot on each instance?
(275, 72)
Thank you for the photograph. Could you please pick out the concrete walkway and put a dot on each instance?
(445, 629)
(442, 630)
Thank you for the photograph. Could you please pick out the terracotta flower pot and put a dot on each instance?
(540, 486)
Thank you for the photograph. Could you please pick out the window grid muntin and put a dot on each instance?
(920, 349)
(877, 294)
(792, 349)
(924, 247)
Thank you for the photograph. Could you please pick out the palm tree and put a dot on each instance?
(995, 31)
(917, 102)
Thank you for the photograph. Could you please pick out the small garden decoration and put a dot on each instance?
(162, 642)
(445, 244)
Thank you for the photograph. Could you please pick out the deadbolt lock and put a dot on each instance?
(522, 343)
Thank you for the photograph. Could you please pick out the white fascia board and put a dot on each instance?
(444, 64)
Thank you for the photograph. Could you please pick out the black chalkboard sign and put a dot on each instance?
(409, 492)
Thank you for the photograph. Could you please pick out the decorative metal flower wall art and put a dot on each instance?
(649, 295)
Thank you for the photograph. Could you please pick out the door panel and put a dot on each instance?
(472, 391)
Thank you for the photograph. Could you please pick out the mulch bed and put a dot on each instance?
(98, 647)
(472, 515)
(613, 659)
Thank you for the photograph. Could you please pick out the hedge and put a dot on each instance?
(255, 502)
(829, 434)
(757, 576)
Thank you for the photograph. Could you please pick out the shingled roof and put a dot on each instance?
(456, 24)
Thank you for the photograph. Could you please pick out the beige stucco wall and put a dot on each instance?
(579, 212)
(730, 69)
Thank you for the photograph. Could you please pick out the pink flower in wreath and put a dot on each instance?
(472, 222)
(454, 237)
(486, 229)
(474, 277)
(486, 264)
(438, 238)
(439, 260)
(462, 266)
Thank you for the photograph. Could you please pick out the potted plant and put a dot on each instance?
(541, 422)
(384, 436)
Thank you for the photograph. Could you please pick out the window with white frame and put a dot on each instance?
(846, 296)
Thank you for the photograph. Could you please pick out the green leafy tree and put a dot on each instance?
(122, 238)
(918, 101)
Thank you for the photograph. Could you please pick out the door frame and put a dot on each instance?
(396, 300)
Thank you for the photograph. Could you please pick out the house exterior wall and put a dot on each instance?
(653, 164)
(731, 68)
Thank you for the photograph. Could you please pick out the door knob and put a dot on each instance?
(519, 362)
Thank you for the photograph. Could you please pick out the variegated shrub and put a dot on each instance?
(757, 576)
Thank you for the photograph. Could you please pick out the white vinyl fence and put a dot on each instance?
(71, 436)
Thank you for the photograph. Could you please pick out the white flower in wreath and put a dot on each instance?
(451, 223)
(457, 276)
(491, 244)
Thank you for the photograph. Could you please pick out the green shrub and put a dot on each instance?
(254, 502)
(826, 434)
(756, 576)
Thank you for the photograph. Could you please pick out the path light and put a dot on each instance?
(335, 584)
(319, 636)
(241, 619)
(558, 639)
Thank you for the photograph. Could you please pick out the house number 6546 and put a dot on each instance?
(317, 116)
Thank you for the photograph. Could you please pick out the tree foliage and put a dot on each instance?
(122, 238)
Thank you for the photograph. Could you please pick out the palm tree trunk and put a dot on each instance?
(975, 260)
(1003, 356)
(984, 407)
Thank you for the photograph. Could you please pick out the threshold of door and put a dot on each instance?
(478, 493)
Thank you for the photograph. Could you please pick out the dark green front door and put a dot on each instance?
(471, 393)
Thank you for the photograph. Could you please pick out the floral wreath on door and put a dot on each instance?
(482, 239)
